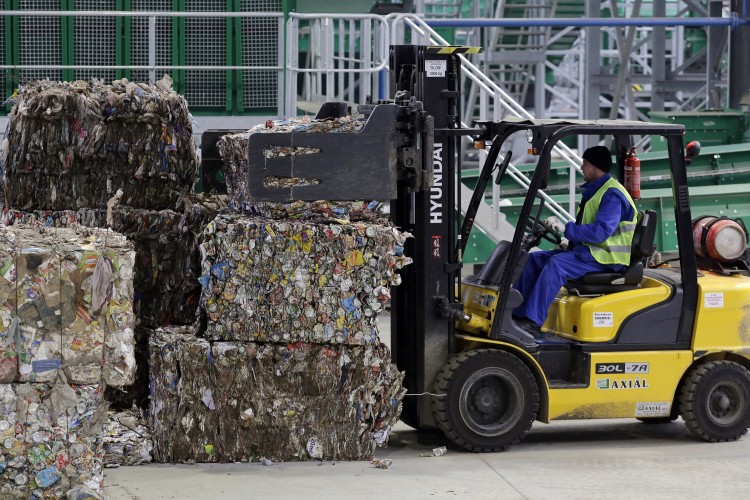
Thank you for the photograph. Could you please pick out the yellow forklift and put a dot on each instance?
(651, 343)
(647, 343)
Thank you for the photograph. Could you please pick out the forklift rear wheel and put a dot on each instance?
(491, 399)
(715, 401)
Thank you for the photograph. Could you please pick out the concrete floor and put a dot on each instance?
(566, 459)
(577, 460)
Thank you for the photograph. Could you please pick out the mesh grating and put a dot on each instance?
(260, 47)
(139, 38)
(260, 6)
(206, 44)
(95, 40)
(4, 73)
(39, 41)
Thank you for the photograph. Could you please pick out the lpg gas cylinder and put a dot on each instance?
(719, 238)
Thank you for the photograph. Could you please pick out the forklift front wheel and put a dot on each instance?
(490, 400)
(715, 401)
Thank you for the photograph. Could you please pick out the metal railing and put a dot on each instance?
(334, 68)
(153, 66)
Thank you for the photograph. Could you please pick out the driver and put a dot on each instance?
(598, 241)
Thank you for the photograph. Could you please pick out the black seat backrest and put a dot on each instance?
(643, 237)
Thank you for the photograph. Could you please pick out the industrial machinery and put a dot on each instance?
(651, 343)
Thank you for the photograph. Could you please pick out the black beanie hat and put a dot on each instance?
(599, 157)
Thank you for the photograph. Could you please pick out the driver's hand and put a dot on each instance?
(563, 245)
(555, 224)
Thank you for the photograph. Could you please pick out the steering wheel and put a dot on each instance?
(549, 234)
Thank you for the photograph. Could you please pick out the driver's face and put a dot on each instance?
(589, 171)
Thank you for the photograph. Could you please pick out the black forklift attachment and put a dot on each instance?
(394, 145)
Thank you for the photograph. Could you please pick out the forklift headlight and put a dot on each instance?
(529, 135)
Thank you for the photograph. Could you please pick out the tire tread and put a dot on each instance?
(689, 403)
(441, 406)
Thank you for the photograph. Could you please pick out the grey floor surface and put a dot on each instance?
(591, 459)
(603, 460)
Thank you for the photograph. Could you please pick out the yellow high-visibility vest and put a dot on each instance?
(616, 248)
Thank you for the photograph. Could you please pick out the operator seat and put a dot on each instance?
(630, 277)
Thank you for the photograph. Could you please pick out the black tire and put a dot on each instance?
(715, 401)
(491, 400)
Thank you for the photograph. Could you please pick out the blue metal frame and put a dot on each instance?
(733, 22)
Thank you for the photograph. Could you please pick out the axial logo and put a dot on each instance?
(621, 368)
(656, 409)
(605, 383)
(436, 191)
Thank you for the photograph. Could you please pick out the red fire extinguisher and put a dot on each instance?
(633, 174)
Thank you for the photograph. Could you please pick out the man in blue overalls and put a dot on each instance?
(598, 241)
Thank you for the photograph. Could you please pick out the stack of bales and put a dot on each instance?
(73, 152)
(290, 366)
(67, 331)
(165, 275)
(72, 146)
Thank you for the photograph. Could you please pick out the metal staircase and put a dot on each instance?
(515, 57)
(494, 103)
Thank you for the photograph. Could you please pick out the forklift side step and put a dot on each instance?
(335, 166)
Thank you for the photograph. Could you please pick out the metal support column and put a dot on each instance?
(739, 54)
(592, 63)
(717, 40)
(658, 64)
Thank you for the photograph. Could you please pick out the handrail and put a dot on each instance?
(373, 59)
(134, 13)
(383, 52)
(733, 22)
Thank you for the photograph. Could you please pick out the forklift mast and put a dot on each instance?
(406, 152)
(421, 337)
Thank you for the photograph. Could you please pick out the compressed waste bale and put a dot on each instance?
(289, 281)
(74, 144)
(71, 291)
(85, 433)
(51, 435)
(165, 282)
(245, 401)
(38, 266)
(126, 439)
(233, 149)
(13, 460)
(136, 395)
(301, 400)
(9, 328)
(182, 417)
